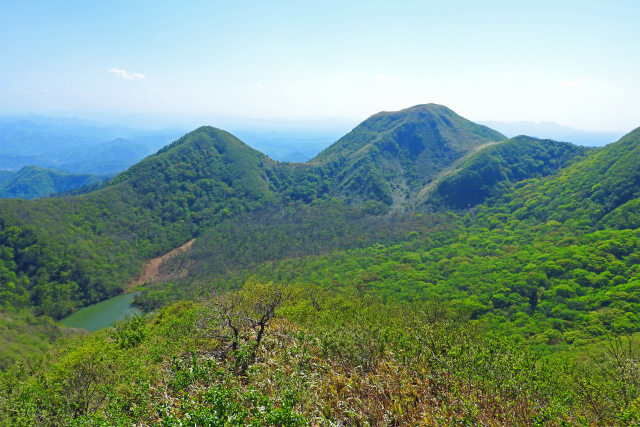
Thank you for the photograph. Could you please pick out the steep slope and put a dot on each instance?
(22, 334)
(391, 155)
(200, 170)
(32, 182)
(603, 188)
(66, 252)
(495, 169)
(327, 358)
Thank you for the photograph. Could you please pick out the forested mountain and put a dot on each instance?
(209, 176)
(391, 155)
(195, 183)
(70, 251)
(496, 169)
(421, 252)
(603, 189)
(32, 182)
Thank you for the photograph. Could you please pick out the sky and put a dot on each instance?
(315, 63)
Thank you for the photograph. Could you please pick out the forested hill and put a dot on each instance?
(391, 155)
(72, 251)
(416, 272)
(603, 189)
(495, 170)
(68, 252)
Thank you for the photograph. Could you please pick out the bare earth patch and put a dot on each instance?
(151, 270)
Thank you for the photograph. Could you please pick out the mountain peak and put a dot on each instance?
(391, 155)
(216, 138)
(424, 121)
(429, 108)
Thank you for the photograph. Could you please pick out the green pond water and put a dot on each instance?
(102, 314)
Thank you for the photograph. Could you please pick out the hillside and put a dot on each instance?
(391, 155)
(71, 251)
(91, 245)
(496, 169)
(386, 307)
(550, 284)
(600, 190)
(277, 355)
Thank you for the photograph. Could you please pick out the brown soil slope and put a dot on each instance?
(151, 270)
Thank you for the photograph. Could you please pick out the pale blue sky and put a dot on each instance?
(572, 62)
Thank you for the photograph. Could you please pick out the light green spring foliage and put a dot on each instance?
(348, 358)
(548, 262)
(73, 251)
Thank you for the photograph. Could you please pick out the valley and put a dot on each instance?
(421, 269)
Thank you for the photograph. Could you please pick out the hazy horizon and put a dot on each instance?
(569, 62)
(153, 123)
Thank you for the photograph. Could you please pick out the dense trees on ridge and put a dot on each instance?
(434, 272)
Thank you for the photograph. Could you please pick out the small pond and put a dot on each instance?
(102, 314)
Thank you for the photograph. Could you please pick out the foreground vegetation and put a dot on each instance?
(272, 354)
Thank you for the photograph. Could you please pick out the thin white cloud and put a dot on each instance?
(123, 74)
(382, 77)
(259, 86)
(576, 84)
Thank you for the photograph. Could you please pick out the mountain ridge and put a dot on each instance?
(518, 241)
(598, 185)
(209, 176)
(394, 154)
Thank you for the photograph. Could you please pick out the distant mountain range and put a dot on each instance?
(288, 145)
(40, 156)
(76, 146)
(32, 182)
(81, 147)
(555, 131)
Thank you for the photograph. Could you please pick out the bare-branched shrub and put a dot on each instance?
(239, 320)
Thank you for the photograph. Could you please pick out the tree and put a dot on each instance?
(244, 316)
